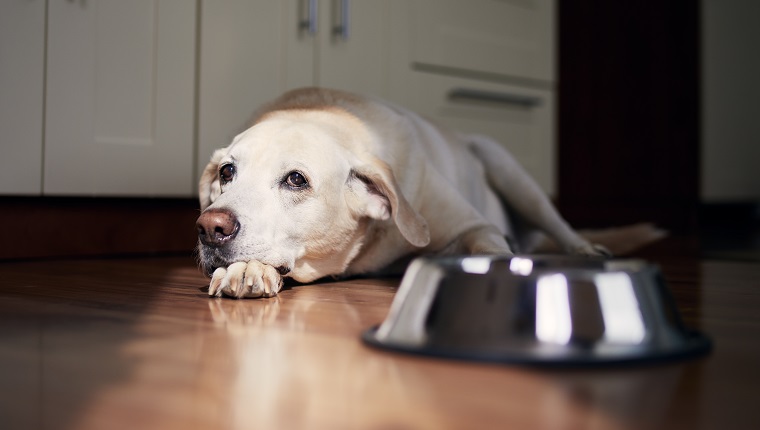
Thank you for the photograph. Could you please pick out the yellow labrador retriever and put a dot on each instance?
(331, 183)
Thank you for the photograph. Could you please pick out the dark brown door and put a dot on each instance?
(629, 112)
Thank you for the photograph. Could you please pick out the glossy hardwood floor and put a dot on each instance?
(135, 344)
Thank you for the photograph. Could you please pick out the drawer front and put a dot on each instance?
(514, 38)
(521, 119)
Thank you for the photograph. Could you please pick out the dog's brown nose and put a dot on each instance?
(217, 227)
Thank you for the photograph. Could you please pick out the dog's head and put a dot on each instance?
(297, 191)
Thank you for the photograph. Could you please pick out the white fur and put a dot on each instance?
(384, 184)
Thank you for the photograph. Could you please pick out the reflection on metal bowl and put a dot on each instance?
(542, 310)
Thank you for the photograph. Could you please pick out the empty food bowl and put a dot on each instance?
(541, 310)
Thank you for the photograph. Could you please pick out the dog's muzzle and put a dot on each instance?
(216, 227)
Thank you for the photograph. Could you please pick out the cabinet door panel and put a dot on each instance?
(358, 60)
(22, 51)
(506, 37)
(242, 65)
(120, 97)
(300, 38)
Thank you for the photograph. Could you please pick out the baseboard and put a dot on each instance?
(44, 227)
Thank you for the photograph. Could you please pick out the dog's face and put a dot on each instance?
(294, 192)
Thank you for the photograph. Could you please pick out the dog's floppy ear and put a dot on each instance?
(379, 197)
(209, 187)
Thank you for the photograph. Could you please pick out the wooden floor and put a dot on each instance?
(134, 344)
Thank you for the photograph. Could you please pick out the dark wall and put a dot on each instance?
(629, 112)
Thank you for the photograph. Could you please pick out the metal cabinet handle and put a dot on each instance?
(342, 13)
(308, 14)
(473, 95)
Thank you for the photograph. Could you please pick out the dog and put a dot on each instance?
(329, 183)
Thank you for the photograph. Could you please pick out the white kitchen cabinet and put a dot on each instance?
(22, 59)
(354, 53)
(482, 66)
(120, 93)
(336, 44)
(251, 51)
(129, 98)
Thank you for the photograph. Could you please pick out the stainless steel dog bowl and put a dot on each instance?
(536, 310)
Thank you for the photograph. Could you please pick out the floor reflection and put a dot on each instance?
(275, 353)
(132, 355)
(271, 366)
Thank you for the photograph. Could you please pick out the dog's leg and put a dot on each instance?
(524, 196)
(479, 240)
(456, 226)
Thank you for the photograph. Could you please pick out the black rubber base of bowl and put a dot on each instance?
(696, 345)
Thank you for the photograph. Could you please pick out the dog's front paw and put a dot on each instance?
(591, 250)
(251, 279)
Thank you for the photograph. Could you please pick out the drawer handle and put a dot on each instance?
(340, 29)
(472, 95)
(308, 13)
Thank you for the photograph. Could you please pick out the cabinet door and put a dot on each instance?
(244, 63)
(22, 51)
(354, 46)
(120, 97)
(300, 26)
(519, 113)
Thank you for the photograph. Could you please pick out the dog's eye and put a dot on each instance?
(226, 173)
(296, 180)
